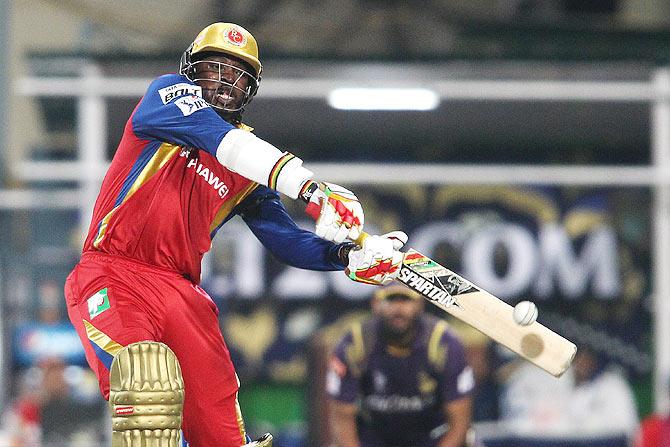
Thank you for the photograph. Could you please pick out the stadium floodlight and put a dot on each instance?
(383, 99)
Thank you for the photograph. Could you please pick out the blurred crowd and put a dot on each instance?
(56, 405)
(55, 398)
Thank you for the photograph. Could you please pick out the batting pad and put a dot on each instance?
(146, 396)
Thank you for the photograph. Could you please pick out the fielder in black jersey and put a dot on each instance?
(400, 379)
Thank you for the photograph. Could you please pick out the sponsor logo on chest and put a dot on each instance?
(206, 173)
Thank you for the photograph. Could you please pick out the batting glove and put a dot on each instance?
(340, 214)
(378, 260)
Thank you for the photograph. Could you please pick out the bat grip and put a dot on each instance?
(313, 210)
(359, 240)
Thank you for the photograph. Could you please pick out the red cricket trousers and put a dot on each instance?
(113, 301)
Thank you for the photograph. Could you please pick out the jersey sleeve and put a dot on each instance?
(341, 384)
(268, 219)
(458, 380)
(174, 111)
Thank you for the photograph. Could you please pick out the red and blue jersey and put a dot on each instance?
(166, 195)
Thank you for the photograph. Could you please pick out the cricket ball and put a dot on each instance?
(525, 313)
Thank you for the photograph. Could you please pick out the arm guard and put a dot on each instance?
(258, 160)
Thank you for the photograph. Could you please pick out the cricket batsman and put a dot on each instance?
(186, 165)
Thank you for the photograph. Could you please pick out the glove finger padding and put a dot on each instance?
(322, 226)
(399, 238)
(377, 261)
(340, 215)
(341, 234)
(330, 233)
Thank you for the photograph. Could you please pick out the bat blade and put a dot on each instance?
(486, 313)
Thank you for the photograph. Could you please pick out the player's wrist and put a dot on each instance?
(343, 252)
(307, 190)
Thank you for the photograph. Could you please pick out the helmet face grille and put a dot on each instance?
(226, 85)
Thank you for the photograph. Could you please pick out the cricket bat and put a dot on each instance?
(478, 308)
(486, 313)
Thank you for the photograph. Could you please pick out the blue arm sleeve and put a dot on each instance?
(173, 110)
(267, 218)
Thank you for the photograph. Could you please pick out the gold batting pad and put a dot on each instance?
(146, 396)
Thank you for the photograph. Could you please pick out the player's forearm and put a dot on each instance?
(459, 415)
(260, 161)
(304, 250)
(273, 226)
(343, 424)
(336, 210)
(344, 434)
(455, 437)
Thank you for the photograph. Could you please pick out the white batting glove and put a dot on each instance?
(340, 214)
(378, 260)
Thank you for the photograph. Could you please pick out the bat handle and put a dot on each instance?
(359, 240)
(313, 210)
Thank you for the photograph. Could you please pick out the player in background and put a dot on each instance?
(185, 165)
(399, 379)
